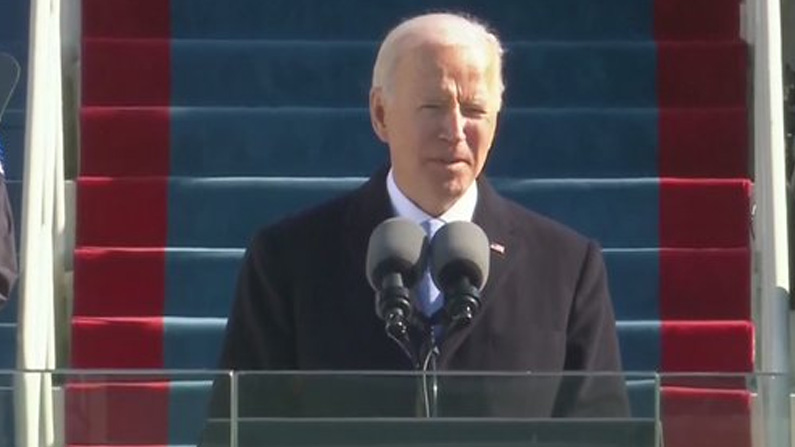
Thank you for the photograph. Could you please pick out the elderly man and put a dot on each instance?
(303, 301)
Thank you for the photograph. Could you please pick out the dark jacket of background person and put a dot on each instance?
(8, 252)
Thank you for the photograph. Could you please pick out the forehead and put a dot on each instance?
(429, 64)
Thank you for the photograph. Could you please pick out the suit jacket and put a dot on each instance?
(303, 303)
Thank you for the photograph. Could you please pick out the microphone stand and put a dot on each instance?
(401, 321)
(430, 391)
(454, 316)
(404, 341)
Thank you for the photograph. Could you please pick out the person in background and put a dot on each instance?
(9, 75)
(8, 251)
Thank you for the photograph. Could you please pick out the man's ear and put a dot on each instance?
(378, 114)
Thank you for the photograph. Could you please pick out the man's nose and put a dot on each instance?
(453, 126)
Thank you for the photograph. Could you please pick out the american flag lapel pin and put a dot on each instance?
(499, 248)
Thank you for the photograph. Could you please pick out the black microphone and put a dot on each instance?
(396, 257)
(459, 263)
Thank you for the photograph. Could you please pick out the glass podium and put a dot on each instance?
(414, 409)
(243, 409)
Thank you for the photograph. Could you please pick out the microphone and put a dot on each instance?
(459, 264)
(395, 259)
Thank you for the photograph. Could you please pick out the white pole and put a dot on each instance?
(771, 223)
(41, 183)
(54, 205)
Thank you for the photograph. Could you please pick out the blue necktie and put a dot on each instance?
(430, 299)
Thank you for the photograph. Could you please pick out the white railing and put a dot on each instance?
(43, 222)
(770, 223)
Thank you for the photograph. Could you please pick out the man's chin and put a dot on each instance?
(438, 196)
(455, 187)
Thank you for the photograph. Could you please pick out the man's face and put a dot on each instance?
(439, 121)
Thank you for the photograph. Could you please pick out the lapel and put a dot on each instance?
(368, 207)
(494, 217)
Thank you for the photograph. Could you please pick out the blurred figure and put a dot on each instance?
(9, 75)
(8, 252)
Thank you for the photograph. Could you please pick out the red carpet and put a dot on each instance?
(130, 77)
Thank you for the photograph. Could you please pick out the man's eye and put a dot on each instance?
(474, 111)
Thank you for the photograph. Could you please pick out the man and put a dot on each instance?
(303, 301)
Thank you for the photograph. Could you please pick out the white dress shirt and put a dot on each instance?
(463, 209)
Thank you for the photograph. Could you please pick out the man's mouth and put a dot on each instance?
(448, 161)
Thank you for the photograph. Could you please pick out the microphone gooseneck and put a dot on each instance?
(393, 306)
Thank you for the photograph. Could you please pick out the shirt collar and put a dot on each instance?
(462, 210)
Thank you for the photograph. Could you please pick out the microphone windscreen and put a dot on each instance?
(397, 245)
(460, 248)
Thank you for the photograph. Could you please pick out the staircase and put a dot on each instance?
(203, 120)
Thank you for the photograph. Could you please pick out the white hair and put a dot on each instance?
(443, 28)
